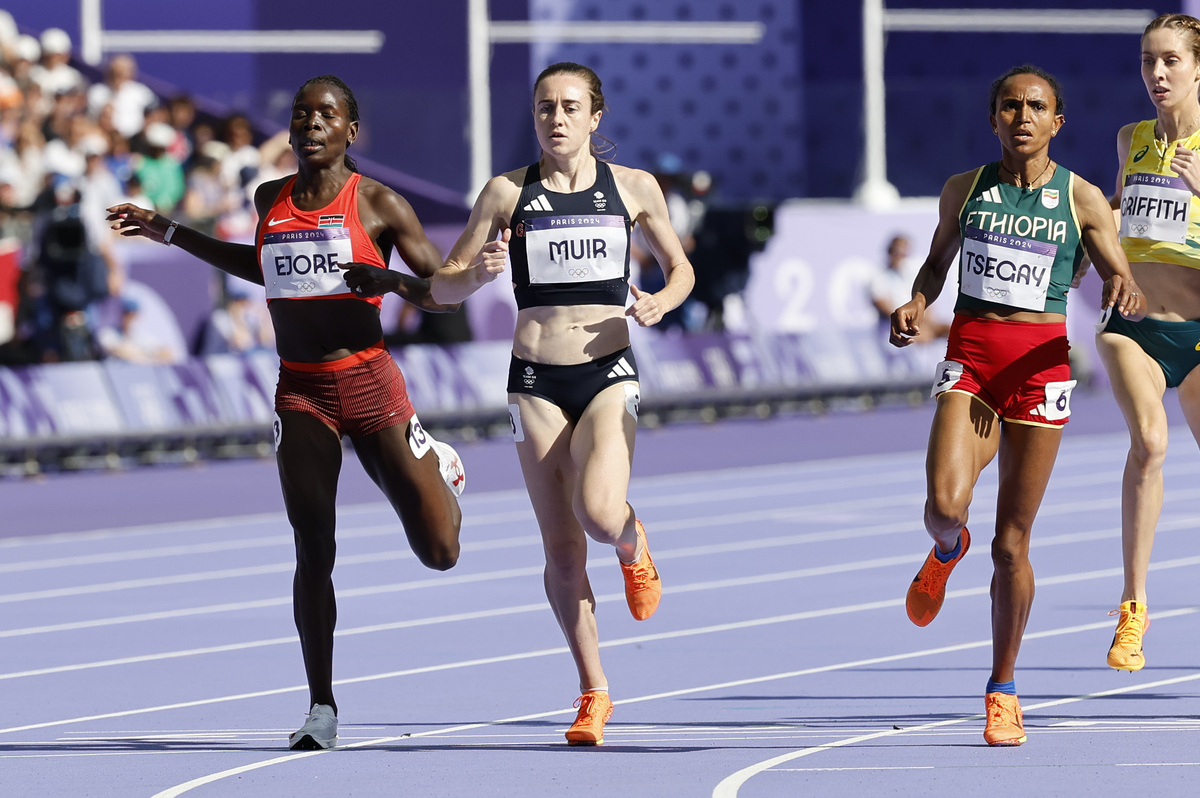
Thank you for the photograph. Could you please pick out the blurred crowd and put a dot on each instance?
(72, 145)
(75, 141)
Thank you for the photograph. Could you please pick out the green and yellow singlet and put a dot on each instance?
(1020, 246)
(1160, 216)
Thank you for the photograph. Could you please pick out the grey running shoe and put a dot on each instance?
(318, 732)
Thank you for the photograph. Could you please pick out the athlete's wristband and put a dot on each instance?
(170, 233)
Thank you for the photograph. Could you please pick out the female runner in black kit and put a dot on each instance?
(573, 381)
(323, 239)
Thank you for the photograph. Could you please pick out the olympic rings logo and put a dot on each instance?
(579, 272)
(307, 287)
(996, 292)
(1139, 229)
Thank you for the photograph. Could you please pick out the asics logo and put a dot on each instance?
(1198, 347)
(1141, 153)
(274, 222)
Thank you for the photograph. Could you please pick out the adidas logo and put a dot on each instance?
(539, 203)
(991, 195)
(621, 369)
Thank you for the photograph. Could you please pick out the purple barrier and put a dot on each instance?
(221, 394)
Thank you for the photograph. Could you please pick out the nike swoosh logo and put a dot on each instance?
(274, 222)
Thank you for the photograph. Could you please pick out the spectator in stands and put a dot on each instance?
(241, 164)
(55, 74)
(891, 287)
(201, 135)
(181, 115)
(242, 325)
(161, 175)
(134, 195)
(207, 198)
(129, 341)
(11, 96)
(8, 36)
(275, 158)
(26, 53)
(668, 172)
(98, 187)
(129, 98)
(64, 154)
(26, 164)
(155, 114)
(72, 275)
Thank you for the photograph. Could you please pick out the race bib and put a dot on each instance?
(418, 439)
(1155, 207)
(633, 399)
(949, 372)
(1058, 400)
(302, 263)
(1006, 269)
(514, 418)
(575, 249)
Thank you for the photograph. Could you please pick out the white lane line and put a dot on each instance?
(838, 770)
(729, 786)
(809, 515)
(605, 598)
(266, 541)
(1082, 450)
(286, 566)
(289, 640)
(416, 584)
(1156, 764)
(1166, 524)
(634, 640)
(201, 781)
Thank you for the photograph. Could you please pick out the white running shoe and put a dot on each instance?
(318, 732)
(451, 466)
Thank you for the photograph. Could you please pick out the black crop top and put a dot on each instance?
(570, 249)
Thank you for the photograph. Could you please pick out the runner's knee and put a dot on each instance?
(946, 510)
(1148, 447)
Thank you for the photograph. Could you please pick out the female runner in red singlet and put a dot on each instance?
(321, 251)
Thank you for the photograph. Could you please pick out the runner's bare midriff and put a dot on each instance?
(1172, 291)
(320, 330)
(566, 335)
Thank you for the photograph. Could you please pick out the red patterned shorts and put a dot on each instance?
(356, 395)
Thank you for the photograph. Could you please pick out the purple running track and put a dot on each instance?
(147, 647)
